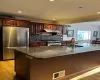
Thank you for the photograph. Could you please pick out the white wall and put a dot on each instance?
(83, 27)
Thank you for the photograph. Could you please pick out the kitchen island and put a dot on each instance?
(40, 63)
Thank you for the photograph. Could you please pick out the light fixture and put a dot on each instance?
(51, 0)
(20, 12)
(54, 19)
(98, 12)
(80, 7)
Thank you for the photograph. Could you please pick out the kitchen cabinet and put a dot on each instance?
(68, 42)
(39, 27)
(1, 23)
(50, 27)
(23, 23)
(42, 43)
(34, 44)
(9, 22)
(14, 22)
(64, 30)
(36, 28)
(63, 43)
(60, 28)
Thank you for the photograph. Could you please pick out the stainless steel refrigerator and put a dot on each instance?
(13, 37)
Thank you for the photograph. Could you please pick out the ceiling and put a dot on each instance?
(67, 10)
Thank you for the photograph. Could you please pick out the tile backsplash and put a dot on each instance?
(46, 37)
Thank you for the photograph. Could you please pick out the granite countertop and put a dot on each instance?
(55, 51)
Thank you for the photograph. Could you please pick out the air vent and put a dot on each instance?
(58, 74)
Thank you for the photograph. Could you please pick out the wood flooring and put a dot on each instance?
(7, 72)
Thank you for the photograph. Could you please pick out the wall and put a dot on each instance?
(82, 26)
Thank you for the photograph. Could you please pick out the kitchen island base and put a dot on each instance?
(31, 68)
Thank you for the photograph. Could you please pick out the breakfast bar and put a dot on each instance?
(41, 63)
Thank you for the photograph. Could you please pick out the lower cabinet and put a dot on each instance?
(36, 44)
(63, 43)
(42, 43)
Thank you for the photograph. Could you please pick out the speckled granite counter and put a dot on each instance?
(39, 63)
(54, 51)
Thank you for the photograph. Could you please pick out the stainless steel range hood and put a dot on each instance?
(51, 31)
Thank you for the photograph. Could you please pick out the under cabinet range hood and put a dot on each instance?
(51, 31)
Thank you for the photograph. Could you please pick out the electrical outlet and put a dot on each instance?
(59, 74)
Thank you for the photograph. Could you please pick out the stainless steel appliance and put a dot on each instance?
(53, 43)
(13, 37)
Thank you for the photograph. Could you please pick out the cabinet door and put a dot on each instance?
(1, 23)
(42, 43)
(9, 22)
(23, 23)
(60, 28)
(39, 27)
(64, 30)
(63, 43)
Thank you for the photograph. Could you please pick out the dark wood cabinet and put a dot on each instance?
(51, 27)
(60, 28)
(34, 44)
(64, 30)
(1, 23)
(42, 43)
(63, 43)
(37, 44)
(39, 27)
(9, 22)
(36, 28)
(23, 23)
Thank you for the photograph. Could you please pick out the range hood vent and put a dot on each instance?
(51, 31)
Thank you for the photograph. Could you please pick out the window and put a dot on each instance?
(83, 35)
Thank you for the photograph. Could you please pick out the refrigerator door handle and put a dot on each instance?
(27, 38)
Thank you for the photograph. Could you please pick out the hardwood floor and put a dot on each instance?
(7, 72)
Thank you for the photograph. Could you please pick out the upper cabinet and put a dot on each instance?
(60, 28)
(39, 27)
(9, 22)
(50, 27)
(36, 28)
(64, 30)
(23, 23)
(14, 22)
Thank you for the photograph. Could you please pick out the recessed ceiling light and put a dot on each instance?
(51, 0)
(54, 19)
(20, 12)
(80, 7)
(98, 12)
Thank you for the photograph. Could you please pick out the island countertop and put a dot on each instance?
(55, 51)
